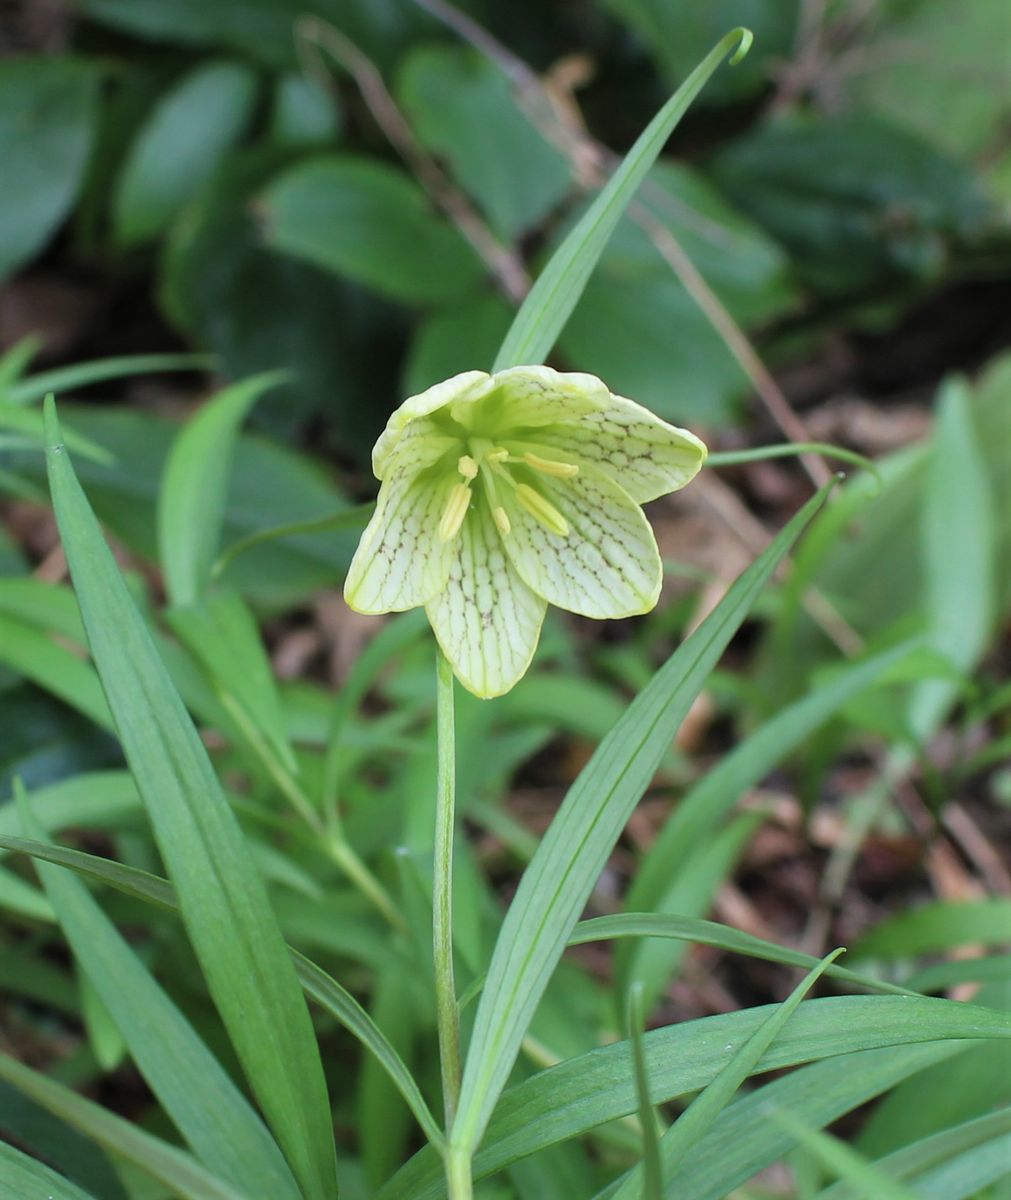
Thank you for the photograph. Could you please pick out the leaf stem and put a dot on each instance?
(447, 1012)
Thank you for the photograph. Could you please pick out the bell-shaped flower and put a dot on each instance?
(504, 493)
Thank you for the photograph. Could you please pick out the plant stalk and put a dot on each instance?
(447, 1011)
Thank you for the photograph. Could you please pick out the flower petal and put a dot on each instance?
(459, 387)
(401, 561)
(486, 619)
(607, 565)
(648, 457)
(525, 396)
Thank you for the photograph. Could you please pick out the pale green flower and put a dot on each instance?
(504, 493)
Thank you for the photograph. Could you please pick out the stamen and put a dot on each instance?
(454, 512)
(498, 455)
(501, 519)
(547, 466)
(467, 467)
(542, 510)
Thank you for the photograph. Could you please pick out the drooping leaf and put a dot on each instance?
(47, 116)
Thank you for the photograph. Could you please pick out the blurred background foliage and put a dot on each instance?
(357, 193)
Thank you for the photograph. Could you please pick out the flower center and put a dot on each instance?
(494, 465)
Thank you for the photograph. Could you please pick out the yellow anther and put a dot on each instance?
(499, 455)
(467, 467)
(541, 510)
(454, 512)
(547, 466)
(501, 519)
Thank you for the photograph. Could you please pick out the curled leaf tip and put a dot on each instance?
(744, 45)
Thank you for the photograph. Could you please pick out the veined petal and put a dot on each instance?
(401, 561)
(607, 565)
(531, 396)
(486, 619)
(459, 387)
(648, 457)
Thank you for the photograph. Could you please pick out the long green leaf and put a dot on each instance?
(326, 991)
(27, 1179)
(191, 504)
(941, 925)
(581, 1093)
(710, 933)
(182, 1175)
(216, 1120)
(222, 897)
(568, 862)
(646, 1181)
(65, 379)
(551, 300)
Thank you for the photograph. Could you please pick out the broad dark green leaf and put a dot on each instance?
(838, 221)
(568, 862)
(179, 147)
(461, 105)
(224, 904)
(371, 223)
(47, 116)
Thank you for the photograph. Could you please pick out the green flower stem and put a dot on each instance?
(459, 1179)
(447, 1011)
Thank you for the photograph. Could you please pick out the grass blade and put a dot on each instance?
(646, 1182)
(326, 991)
(224, 904)
(710, 933)
(53, 667)
(220, 1126)
(182, 1175)
(65, 379)
(699, 1117)
(581, 1093)
(559, 879)
(551, 300)
(194, 489)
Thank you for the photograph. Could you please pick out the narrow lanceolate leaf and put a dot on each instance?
(316, 983)
(699, 1117)
(568, 862)
(35, 655)
(182, 1175)
(711, 933)
(581, 1093)
(64, 379)
(224, 904)
(559, 286)
(191, 506)
(27, 1179)
(646, 1181)
(216, 1120)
